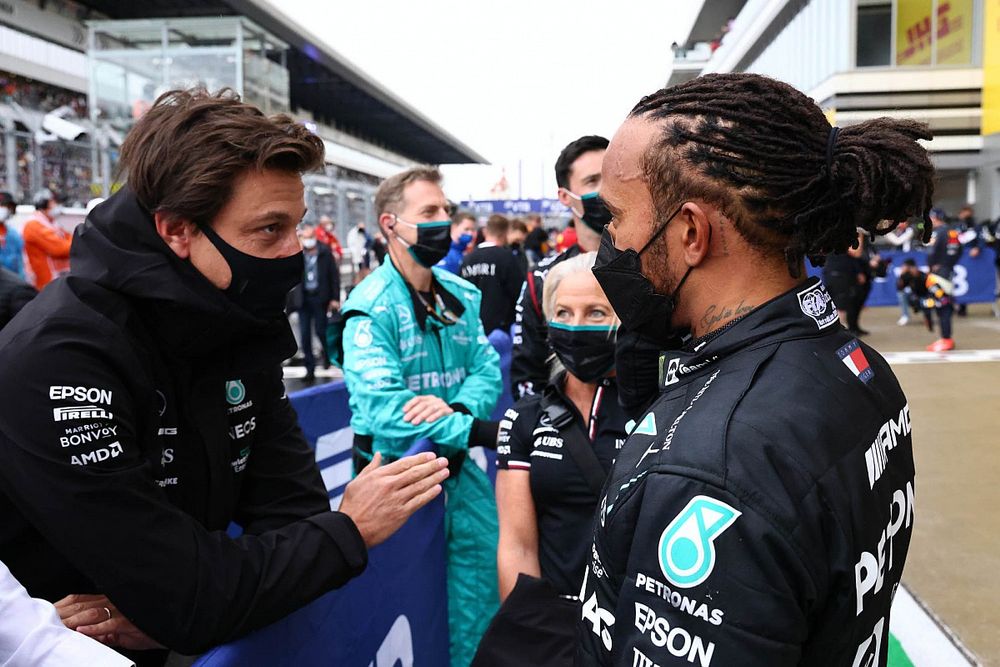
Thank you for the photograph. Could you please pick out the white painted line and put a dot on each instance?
(955, 356)
(927, 642)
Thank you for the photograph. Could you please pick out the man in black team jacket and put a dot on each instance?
(761, 509)
(142, 406)
(493, 268)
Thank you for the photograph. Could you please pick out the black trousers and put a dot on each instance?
(312, 319)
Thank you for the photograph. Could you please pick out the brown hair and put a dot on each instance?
(186, 152)
(517, 225)
(390, 192)
(497, 225)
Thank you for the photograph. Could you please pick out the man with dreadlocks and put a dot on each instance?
(761, 510)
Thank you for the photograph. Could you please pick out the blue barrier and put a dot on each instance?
(396, 613)
(975, 278)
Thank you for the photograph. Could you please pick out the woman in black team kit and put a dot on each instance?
(554, 451)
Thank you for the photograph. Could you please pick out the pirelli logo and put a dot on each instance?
(80, 412)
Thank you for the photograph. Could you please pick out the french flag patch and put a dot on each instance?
(854, 358)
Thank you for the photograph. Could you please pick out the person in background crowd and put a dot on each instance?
(358, 242)
(567, 237)
(844, 277)
(11, 244)
(946, 250)
(142, 408)
(731, 532)
(327, 235)
(15, 293)
(463, 231)
(971, 235)
(554, 452)
(871, 267)
(902, 237)
(991, 237)
(46, 243)
(418, 365)
(377, 250)
(493, 269)
(911, 286)
(536, 243)
(316, 297)
(31, 633)
(578, 175)
(515, 241)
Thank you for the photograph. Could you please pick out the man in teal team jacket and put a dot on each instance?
(418, 365)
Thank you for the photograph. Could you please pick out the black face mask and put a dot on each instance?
(259, 286)
(636, 302)
(433, 241)
(595, 214)
(588, 352)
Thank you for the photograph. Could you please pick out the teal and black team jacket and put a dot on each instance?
(391, 353)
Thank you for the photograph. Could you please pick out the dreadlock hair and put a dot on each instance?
(765, 154)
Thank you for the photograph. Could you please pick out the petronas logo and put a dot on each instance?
(687, 545)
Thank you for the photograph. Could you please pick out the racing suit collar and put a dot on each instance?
(805, 311)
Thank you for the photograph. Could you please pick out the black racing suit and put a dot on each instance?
(760, 513)
(529, 364)
(140, 413)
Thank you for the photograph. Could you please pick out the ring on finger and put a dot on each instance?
(108, 612)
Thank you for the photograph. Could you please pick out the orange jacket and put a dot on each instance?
(47, 248)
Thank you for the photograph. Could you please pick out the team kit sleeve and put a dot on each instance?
(513, 440)
(374, 376)
(98, 505)
(682, 572)
(529, 357)
(281, 483)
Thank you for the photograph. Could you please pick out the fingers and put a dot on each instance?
(73, 606)
(87, 617)
(422, 499)
(405, 463)
(419, 413)
(428, 411)
(106, 627)
(413, 407)
(430, 470)
(373, 465)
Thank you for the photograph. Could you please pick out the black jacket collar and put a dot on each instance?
(805, 311)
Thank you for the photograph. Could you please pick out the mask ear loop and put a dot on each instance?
(661, 229)
(673, 295)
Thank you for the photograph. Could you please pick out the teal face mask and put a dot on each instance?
(586, 350)
(595, 213)
(433, 241)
